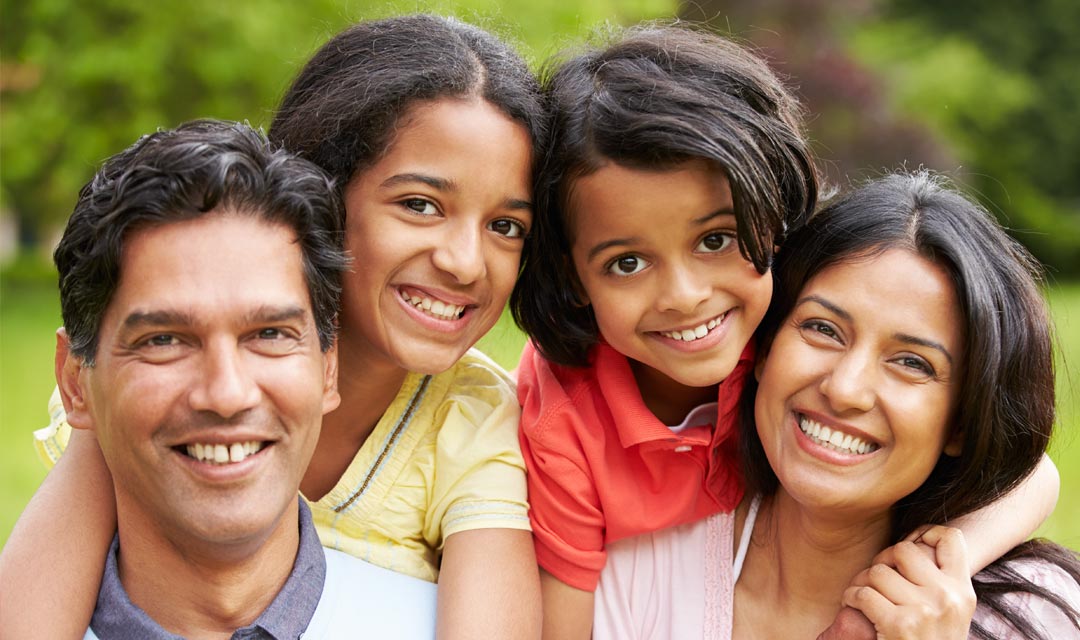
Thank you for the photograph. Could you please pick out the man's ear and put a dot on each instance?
(69, 370)
(331, 395)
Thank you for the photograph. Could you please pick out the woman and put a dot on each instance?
(908, 380)
(430, 128)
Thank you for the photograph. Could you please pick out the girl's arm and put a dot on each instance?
(489, 586)
(568, 611)
(52, 564)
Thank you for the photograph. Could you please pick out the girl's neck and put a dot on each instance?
(368, 385)
(668, 400)
(798, 564)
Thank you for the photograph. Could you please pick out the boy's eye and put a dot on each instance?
(420, 206)
(626, 265)
(508, 228)
(715, 242)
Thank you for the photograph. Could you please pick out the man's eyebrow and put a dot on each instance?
(261, 315)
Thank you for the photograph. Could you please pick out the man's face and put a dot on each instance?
(209, 385)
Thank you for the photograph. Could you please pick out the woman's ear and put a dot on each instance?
(70, 379)
(954, 446)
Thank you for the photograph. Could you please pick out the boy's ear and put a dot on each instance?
(70, 379)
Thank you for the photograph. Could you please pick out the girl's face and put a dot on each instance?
(656, 255)
(436, 228)
(858, 391)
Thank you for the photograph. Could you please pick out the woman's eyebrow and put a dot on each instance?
(923, 342)
(825, 303)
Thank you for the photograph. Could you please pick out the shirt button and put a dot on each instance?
(683, 448)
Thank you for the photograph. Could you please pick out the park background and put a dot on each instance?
(985, 91)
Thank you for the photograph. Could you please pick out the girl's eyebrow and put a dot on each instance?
(622, 242)
(449, 186)
(902, 337)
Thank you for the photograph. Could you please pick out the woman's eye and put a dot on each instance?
(715, 242)
(508, 228)
(916, 364)
(420, 206)
(626, 265)
(820, 328)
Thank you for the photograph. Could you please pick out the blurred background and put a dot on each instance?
(986, 91)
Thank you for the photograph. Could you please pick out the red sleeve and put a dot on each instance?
(565, 513)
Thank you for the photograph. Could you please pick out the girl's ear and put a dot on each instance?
(71, 380)
(759, 361)
(578, 295)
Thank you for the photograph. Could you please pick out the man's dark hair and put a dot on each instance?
(181, 174)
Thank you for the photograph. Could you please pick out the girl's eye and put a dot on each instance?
(420, 206)
(508, 228)
(626, 265)
(715, 242)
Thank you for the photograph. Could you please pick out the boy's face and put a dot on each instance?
(209, 384)
(656, 254)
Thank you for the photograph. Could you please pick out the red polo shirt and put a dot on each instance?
(601, 467)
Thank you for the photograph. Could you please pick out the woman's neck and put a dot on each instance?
(798, 564)
(368, 385)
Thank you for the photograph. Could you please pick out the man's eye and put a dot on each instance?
(162, 340)
(270, 334)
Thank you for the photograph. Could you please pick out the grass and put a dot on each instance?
(29, 315)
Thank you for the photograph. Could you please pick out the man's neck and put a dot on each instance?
(203, 589)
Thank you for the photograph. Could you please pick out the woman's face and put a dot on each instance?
(435, 228)
(857, 394)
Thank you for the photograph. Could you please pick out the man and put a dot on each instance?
(199, 282)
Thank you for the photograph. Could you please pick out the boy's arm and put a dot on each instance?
(993, 530)
(568, 611)
(989, 533)
(488, 586)
(51, 566)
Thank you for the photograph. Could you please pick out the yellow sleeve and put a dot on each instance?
(51, 441)
(479, 480)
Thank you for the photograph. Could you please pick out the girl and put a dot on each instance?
(676, 164)
(908, 323)
(429, 128)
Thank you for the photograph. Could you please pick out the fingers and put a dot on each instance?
(950, 547)
(850, 624)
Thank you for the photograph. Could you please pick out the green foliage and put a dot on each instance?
(82, 81)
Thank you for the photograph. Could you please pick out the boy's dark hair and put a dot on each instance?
(343, 108)
(656, 97)
(1005, 402)
(196, 169)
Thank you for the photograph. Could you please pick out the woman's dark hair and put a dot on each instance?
(654, 98)
(343, 108)
(1005, 410)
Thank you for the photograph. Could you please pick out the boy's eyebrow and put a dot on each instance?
(726, 211)
(902, 337)
(621, 242)
(444, 184)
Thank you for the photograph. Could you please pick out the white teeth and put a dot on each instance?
(835, 440)
(698, 332)
(223, 454)
(437, 308)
